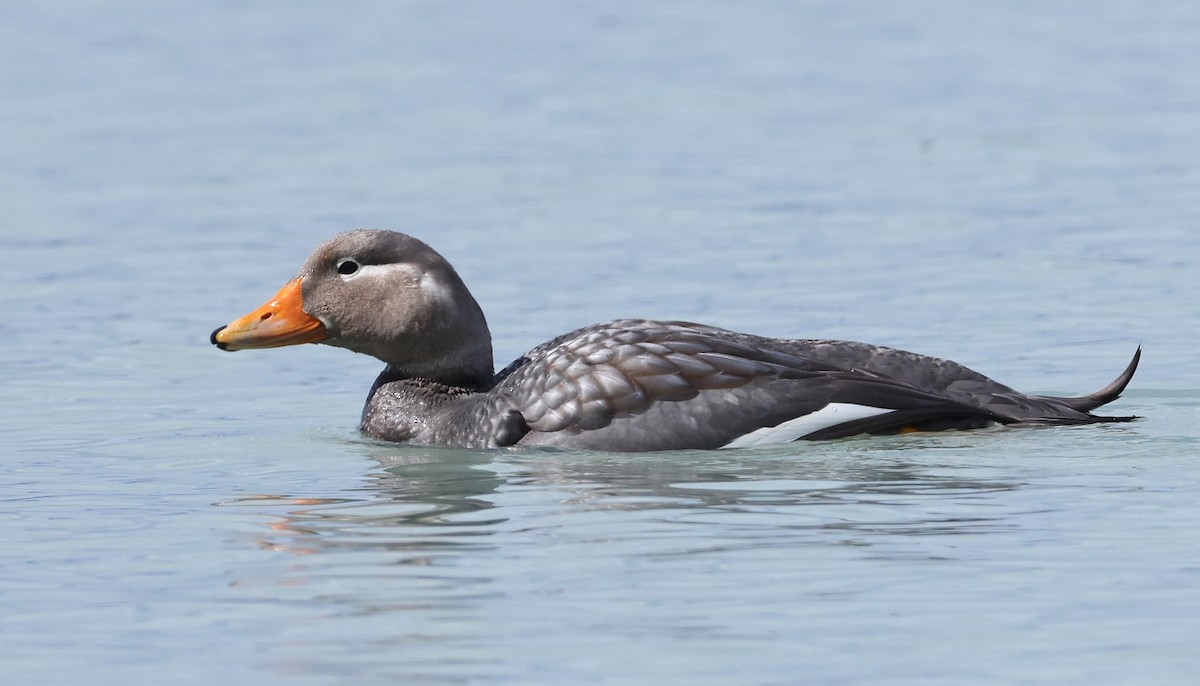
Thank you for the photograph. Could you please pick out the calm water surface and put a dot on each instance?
(1014, 187)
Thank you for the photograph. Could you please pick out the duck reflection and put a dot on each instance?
(428, 502)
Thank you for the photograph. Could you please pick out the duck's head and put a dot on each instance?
(382, 293)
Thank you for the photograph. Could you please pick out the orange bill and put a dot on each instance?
(281, 321)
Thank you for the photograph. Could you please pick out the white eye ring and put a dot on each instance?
(348, 267)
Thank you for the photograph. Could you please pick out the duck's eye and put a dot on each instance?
(347, 267)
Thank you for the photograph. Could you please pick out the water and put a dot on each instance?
(1010, 186)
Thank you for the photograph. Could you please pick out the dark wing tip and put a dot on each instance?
(1110, 392)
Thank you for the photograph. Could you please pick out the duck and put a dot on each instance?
(628, 385)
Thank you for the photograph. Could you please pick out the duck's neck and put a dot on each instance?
(452, 347)
(459, 379)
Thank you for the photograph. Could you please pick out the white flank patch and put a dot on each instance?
(830, 415)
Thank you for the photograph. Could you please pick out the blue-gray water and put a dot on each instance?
(1012, 185)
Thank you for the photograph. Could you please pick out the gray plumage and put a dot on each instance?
(626, 385)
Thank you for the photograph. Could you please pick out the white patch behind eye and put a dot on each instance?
(376, 270)
(430, 287)
(793, 429)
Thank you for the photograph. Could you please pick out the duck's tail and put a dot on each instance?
(1089, 402)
